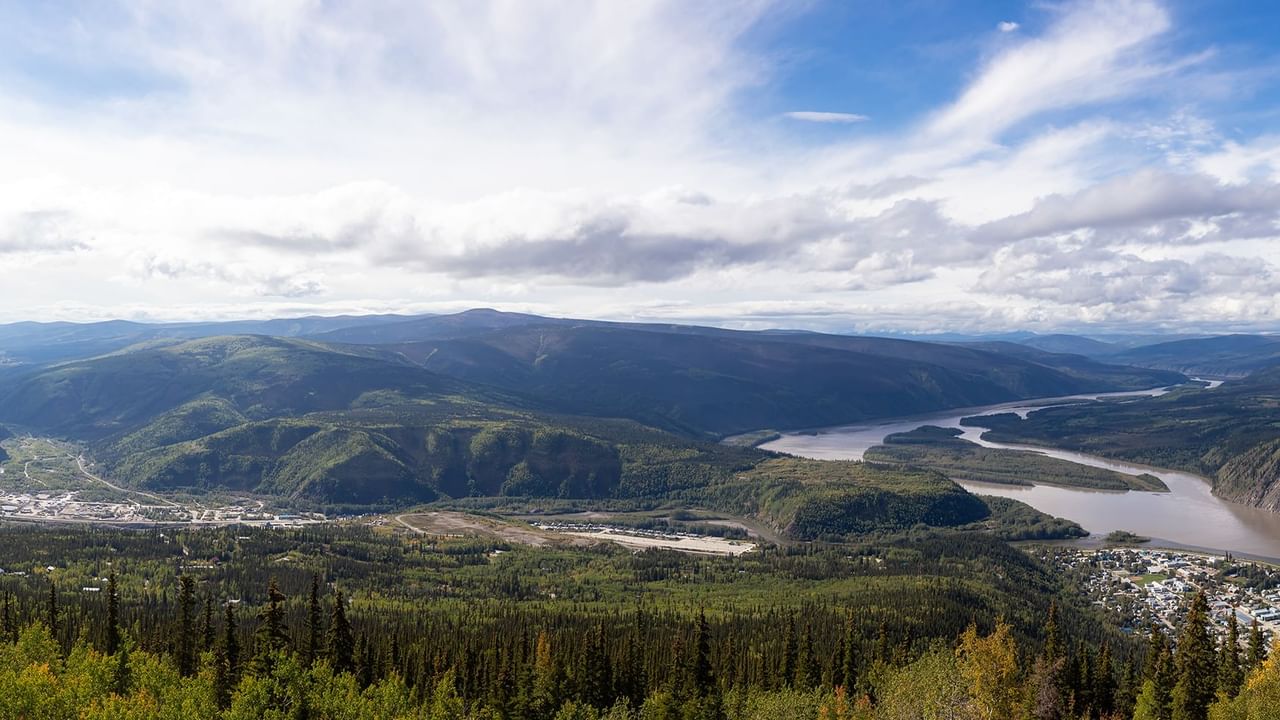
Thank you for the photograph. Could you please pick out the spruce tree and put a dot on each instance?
(186, 626)
(342, 646)
(51, 610)
(365, 671)
(789, 653)
(113, 614)
(700, 665)
(596, 673)
(230, 643)
(1197, 665)
(1083, 685)
(1052, 637)
(1230, 675)
(1157, 645)
(881, 656)
(849, 662)
(1166, 677)
(1257, 647)
(9, 624)
(223, 686)
(315, 630)
(121, 672)
(271, 635)
(206, 625)
(807, 673)
(1104, 683)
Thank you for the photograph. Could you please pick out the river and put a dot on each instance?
(1186, 516)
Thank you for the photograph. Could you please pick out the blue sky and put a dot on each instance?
(911, 166)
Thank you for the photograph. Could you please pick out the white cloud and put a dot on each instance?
(1094, 52)
(826, 117)
(1007, 26)
(595, 159)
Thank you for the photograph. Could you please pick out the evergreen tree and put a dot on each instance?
(315, 630)
(113, 614)
(51, 610)
(230, 644)
(789, 653)
(9, 623)
(1157, 646)
(881, 656)
(1230, 675)
(596, 673)
(1257, 647)
(121, 673)
(223, 685)
(700, 665)
(807, 673)
(1104, 683)
(206, 625)
(186, 626)
(1166, 677)
(1082, 687)
(366, 670)
(1197, 665)
(341, 641)
(1127, 690)
(1052, 637)
(848, 675)
(271, 635)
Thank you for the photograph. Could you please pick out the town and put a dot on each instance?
(1150, 586)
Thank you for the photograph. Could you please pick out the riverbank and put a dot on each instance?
(1189, 516)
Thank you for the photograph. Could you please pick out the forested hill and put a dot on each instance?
(502, 405)
(718, 382)
(1223, 356)
(352, 622)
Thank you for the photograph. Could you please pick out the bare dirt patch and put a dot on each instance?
(456, 524)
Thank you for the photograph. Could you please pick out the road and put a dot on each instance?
(85, 471)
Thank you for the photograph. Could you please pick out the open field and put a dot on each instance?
(682, 543)
(561, 533)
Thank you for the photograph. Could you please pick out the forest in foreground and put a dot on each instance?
(356, 621)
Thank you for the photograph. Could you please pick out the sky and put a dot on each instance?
(857, 166)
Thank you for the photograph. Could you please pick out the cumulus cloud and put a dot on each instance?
(1007, 26)
(615, 158)
(1145, 197)
(40, 231)
(1106, 278)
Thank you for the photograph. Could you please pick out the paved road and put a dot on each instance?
(85, 471)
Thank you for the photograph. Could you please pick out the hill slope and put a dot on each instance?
(718, 382)
(1223, 356)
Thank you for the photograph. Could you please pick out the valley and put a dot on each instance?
(489, 491)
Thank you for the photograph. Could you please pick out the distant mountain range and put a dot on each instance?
(405, 409)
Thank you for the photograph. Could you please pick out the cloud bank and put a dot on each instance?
(181, 160)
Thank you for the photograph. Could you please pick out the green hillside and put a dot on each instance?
(721, 383)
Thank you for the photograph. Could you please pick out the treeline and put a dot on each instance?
(635, 666)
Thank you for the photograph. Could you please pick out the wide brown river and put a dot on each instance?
(1189, 515)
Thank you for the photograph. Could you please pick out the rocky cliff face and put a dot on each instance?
(1252, 477)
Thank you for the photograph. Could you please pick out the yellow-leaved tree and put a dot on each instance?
(990, 667)
(1260, 697)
